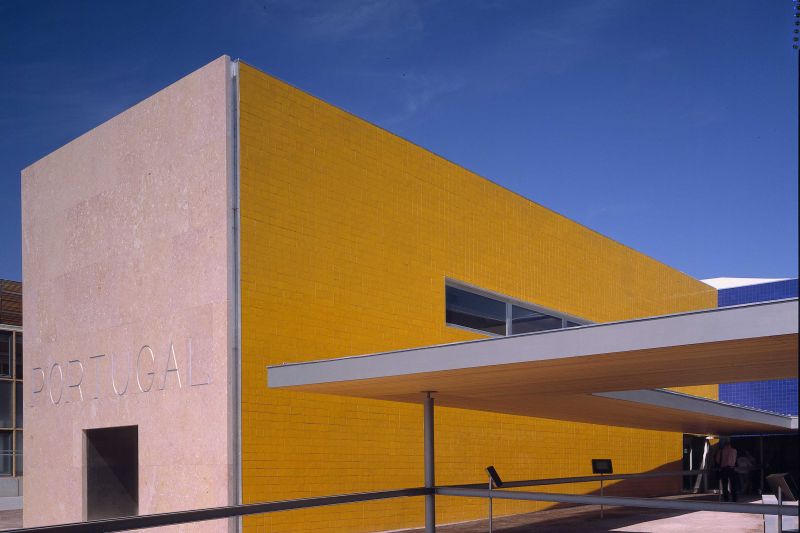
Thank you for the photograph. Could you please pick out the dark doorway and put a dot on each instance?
(112, 472)
(772, 454)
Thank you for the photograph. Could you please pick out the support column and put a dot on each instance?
(761, 464)
(430, 482)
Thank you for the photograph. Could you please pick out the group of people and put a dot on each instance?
(735, 471)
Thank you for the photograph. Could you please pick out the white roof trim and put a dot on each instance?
(705, 406)
(730, 283)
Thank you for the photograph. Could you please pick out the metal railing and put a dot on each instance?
(621, 501)
(215, 513)
(581, 479)
(468, 491)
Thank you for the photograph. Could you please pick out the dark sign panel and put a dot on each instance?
(602, 466)
(495, 476)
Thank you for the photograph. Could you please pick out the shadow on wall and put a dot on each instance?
(668, 485)
(646, 487)
(564, 517)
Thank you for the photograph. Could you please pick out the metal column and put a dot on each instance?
(430, 482)
(761, 464)
(601, 495)
(490, 503)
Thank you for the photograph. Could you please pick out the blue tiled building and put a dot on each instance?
(779, 396)
(761, 292)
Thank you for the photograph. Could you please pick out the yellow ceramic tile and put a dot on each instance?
(347, 235)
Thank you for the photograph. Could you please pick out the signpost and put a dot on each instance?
(602, 466)
(494, 481)
(779, 483)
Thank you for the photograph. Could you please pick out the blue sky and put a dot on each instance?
(670, 126)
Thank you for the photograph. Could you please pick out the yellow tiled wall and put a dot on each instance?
(347, 235)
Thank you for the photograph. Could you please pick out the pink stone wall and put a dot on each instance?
(127, 260)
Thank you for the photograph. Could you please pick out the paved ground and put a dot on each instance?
(586, 519)
(583, 519)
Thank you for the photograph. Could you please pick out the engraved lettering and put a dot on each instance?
(64, 381)
(150, 373)
(171, 359)
(41, 374)
(127, 376)
(191, 361)
(60, 384)
(80, 377)
(96, 377)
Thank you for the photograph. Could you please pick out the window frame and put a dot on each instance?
(509, 302)
(16, 428)
(11, 349)
(476, 330)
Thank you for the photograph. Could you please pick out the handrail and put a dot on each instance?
(650, 503)
(231, 511)
(583, 479)
(213, 513)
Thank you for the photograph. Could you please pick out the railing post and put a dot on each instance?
(601, 494)
(761, 464)
(430, 481)
(490, 504)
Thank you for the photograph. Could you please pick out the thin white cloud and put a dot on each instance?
(419, 92)
(367, 18)
(616, 210)
(336, 20)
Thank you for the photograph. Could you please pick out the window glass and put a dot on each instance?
(5, 353)
(18, 436)
(527, 321)
(19, 355)
(6, 452)
(474, 311)
(571, 324)
(18, 392)
(6, 388)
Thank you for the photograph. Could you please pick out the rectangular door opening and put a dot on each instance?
(112, 472)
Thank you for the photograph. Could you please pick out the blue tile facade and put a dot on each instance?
(778, 396)
(758, 293)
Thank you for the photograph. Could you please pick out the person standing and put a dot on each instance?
(744, 469)
(727, 462)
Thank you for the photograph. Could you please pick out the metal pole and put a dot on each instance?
(601, 495)
(490, 504)
(761, 463)
(430, 482)
(780, 502)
